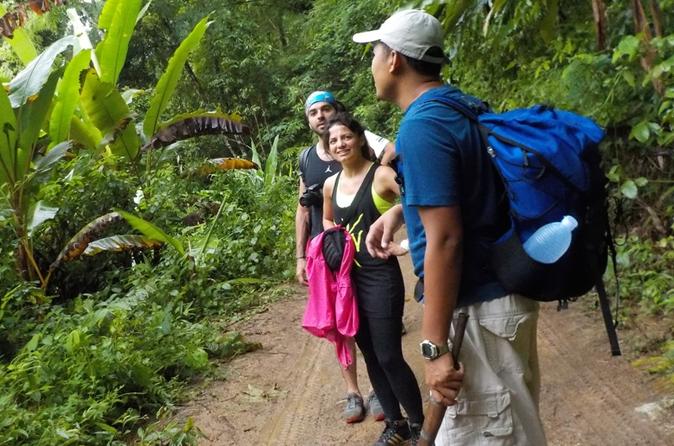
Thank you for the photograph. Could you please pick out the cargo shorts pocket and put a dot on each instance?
(483, 419)
(508, 342)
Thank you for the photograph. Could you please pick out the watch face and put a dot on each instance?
(428, 350)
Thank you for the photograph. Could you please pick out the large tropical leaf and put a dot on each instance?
(232, 164)
(112, 50)
(31, 79)
(76, 246)
(256, 155)
(109, 113)
(152, 231)
(84, 132)
(67, 98)
(271, 164)
(44, 165)
(53, 156)
(196, 124)
(41, 213)
(167, 83)
(81, 31)
(21, 43)
(120, 243)
(7, 139)
(107, 13)
(31, 120)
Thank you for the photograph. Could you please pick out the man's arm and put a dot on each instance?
(388, 154)
(301, 237)
(380, 234)
(442, 278)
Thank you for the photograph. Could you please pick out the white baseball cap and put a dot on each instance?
(411, 32)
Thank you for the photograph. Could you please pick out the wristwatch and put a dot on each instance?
(431, 351)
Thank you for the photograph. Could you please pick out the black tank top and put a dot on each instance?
(379, 283)
(358, 217)
(317, 171)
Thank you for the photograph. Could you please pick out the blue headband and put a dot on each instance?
(319, 96)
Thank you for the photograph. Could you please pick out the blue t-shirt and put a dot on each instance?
(443, 163)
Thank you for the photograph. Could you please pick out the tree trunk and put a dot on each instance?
(599, 12)
(641, 26)
(656, 12)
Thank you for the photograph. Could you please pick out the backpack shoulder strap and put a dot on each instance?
(459, 106)
(471, 111)
(304, 161)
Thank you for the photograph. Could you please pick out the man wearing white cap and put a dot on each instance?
(451, 204)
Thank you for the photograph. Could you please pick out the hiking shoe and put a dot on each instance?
(415, 433)
(395, 433)
(374, 407)
(354, 412)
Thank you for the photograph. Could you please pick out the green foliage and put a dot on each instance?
(67, 94)
(110, 115)
(31, 79)
(118, 19)
(66, 385)
(168, 81)
(645, 270)
(152, 231)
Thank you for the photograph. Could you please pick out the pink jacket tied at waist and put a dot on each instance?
(332, 310)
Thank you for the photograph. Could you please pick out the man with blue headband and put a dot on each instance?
(316, 165)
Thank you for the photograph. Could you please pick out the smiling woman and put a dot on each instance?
(355, 198)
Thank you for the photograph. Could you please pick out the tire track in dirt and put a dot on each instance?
(287, 392)
(588, 397)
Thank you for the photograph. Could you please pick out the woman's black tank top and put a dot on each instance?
(358, 216)
(379, 282)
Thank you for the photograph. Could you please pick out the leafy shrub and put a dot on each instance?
(645, 271)
(92, 371)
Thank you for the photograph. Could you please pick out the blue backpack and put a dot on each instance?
(549, 163)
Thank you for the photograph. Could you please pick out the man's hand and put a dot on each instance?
(301, 272)
(443, 380)
(381, 232)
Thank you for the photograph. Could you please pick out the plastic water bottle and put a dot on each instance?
(551, 241)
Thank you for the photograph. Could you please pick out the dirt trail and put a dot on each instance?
(288, 392)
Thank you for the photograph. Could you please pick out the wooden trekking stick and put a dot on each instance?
(436, 411)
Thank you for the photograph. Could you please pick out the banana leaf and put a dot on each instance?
(271, 164)
(39, 215)
(21, 43)
(121, 243)
(76, 246)
(232, 164)
(67, 98)
(107, 13)
(31, 120)
(7, 139)
(169, 79)
(108, 112)
(224, 164)
(196, 124)
(31, 79)
(112, 50)
(150, 230)
(43, 165)
(84, 133)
